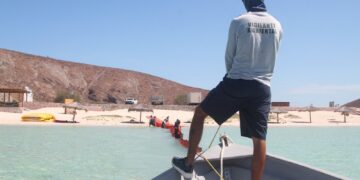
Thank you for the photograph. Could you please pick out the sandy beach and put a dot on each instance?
(121, 116)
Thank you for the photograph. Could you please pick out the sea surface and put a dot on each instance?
(42, 153)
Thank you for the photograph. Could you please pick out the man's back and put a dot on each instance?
(253, 43)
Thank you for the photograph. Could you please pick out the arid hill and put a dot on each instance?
(355, 103)
(47, 77)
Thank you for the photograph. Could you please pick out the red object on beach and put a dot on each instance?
(169, 125)
(158, 123)
(183, 142)
(172, 131)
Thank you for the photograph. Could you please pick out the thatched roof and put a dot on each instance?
(278, 110)
(140, 108)
(12, 90)
(75, 105)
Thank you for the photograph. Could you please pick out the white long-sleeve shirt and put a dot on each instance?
(254, 40)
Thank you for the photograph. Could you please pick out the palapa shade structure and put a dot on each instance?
(278, 111)
(344, 111)
(20, 92)
(310, 109)
(140, 108)
(75, 106)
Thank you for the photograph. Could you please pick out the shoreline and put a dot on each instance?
(117, 118)
(50, 124)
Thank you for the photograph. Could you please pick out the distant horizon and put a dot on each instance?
(184, 41)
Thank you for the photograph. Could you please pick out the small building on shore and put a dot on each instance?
(12, 97)
(194, 98)
(280, 104)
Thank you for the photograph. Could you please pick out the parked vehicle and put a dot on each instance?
(131, 101)
(157, 100)
(194, 98)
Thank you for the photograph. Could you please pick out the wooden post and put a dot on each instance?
(22, 99)
(9, 97)
(310, 115)
(344, 117)
(277, 117)
(4, 98)
(140, 115)
(74, 113)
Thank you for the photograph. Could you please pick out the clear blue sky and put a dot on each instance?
(184, 40)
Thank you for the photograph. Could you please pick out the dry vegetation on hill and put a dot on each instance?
(48, 77)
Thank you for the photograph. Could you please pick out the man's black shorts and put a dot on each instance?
(251, 98)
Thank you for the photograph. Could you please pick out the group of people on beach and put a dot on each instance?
(152, 120)
(166, 120)
(177, 129)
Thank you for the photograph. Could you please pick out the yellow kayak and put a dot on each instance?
(38, 117)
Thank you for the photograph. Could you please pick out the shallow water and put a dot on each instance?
(32, 152)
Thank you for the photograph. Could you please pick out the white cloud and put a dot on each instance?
(326, 89)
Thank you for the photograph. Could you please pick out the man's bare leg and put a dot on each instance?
(196, 129)
(259, 157)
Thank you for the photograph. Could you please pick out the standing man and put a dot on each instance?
(253, 42)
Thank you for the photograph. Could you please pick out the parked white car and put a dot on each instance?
(131, 101)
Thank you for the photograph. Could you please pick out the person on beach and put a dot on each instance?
(166, 120)
(252, 46)
(177, 129)
(152, 121)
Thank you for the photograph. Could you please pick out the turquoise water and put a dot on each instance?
(37, 153)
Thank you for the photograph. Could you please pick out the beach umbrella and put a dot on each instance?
(140, 108)
(344, 111)
(75, 105)
(310, 109)
(277, 111)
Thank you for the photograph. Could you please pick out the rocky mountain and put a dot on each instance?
(48, 77)
(355, 103)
